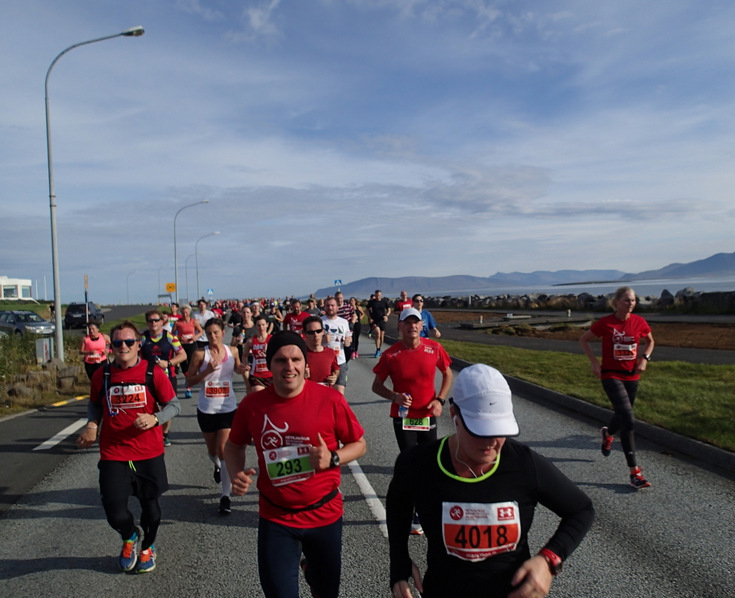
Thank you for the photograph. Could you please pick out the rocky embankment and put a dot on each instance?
(684, 301)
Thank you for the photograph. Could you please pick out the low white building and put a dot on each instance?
(16, 288)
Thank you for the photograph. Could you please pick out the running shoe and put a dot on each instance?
(166, 440)
(637, 480)
(378, 353)
(129, 554)
(416, 529)
(225, 506)
(187, 394)
(355, 355)
(217, 474)
(147, 560)
(607, 440)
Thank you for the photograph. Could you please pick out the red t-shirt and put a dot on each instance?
(120, 440)
(277, 426)
(295, 322)
(401, 305)
(412, 372)
(620, 343)
(321, 364)
(260, 366)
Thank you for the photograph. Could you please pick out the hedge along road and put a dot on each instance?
(673, 539)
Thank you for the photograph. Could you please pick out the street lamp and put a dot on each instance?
(186, 272)
(158, 289)
(176, 264)
(196, 259)
(132, 32)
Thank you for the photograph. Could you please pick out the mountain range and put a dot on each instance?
(718, 265)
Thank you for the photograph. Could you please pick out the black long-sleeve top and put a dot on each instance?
(425, 480)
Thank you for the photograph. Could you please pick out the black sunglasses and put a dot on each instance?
(117, 343)
(313, 332)
(153, 320)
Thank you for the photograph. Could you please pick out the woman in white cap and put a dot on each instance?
(476, 491)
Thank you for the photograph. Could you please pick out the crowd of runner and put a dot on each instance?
(474, 506)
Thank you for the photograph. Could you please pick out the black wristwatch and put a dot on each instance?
(334, 461)
(646, 357)
(442, 402)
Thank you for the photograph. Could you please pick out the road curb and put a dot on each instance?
(709, 457)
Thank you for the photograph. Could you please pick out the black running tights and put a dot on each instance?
(622, 396)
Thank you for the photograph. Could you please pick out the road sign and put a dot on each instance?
(210, 292)
(170, 287)
(338, 283)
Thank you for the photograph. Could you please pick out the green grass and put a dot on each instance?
(693, 400)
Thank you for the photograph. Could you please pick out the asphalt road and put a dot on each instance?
(672, 540)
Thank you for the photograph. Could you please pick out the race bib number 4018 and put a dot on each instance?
(476, 531)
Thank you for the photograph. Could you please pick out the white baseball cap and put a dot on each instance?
(408, 312)
(483, 400)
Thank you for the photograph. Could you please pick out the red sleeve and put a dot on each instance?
(164, 390)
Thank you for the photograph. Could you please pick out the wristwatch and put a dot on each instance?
(442, 402)
(554, 561)
(646, 357)
(334, 461)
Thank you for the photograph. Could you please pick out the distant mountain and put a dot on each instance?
(721, 264)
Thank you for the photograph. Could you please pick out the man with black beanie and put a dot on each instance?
(296, 427)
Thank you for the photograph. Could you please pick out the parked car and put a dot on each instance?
(21, 321)
(76, 315)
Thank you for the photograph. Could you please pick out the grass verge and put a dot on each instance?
(690, 399)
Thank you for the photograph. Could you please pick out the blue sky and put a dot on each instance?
(349, 139)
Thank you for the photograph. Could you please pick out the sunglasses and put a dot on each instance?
(117, 343)
(313, 332)
(419, 300)
(153, 320)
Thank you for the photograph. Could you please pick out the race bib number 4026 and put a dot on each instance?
(476, 531)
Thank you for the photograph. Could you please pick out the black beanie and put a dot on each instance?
(281, 339)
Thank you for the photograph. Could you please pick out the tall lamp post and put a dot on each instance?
(176, 264)
(186, 273)
(158, 289)
(132, 32)
(196, 259)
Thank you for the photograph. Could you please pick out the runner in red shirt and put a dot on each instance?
(294, 320)
(622, 364)
(297, 427)
(131, 443)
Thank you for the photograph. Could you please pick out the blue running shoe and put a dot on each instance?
(147, 561)
(129, 553)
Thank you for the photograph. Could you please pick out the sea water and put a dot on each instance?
(643, 288)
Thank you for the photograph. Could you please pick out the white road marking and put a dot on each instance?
(68, 431)
(370, 496)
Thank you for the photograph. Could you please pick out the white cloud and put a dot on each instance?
(332, 137)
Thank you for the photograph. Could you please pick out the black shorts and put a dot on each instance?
(143, 479)
(260, 381)
(211, 423)
(380, 324)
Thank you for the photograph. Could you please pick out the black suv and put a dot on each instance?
(75, 316)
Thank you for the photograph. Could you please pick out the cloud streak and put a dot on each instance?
(334, 139)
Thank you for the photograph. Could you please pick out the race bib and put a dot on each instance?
(625, 352)
(417, 424)
(130, 396)
(476, 531)
(288, 464)
(217, 390)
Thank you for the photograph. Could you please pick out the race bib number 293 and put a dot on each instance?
(476, 531)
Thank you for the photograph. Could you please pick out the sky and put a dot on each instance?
(339, 140)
